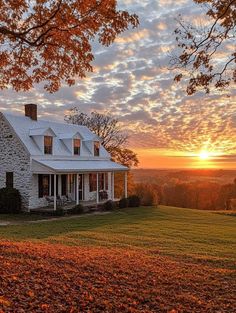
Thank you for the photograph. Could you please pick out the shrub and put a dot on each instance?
(78, 209)
(10, 200)
(147, 194)
(109, 205)
(123, 203)
(134, 201)
(58, 212)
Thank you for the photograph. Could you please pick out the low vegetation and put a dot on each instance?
(10, 200)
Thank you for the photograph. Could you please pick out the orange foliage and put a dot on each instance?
(119, 184)
(55, 278)
(50, 41)
(149, 194)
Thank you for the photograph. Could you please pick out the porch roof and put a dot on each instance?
(75, 166)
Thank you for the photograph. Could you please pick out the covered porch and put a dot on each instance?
(65, 183)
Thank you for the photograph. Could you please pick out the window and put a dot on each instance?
(106, 181)
(92, 182)
(43, 185)
(70, 183)
(76, 146)
(96, 148)
(47, 144)
(9, 179)
(103, 181)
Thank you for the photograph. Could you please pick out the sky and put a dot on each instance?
(132, 81)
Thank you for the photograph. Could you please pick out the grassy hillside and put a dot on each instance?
(181, 233)
(143, 260)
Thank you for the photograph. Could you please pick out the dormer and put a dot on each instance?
(43, 137)
(73, 142)
(94, 145)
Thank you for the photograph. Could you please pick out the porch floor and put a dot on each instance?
(67, 206)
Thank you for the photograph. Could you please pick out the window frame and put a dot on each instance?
(43, 189)
(48, 149)
(103, 181)
(96, 148)
(70, 183)
(92, 182)
(76, 147)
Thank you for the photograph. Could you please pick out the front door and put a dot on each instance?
(63, 185)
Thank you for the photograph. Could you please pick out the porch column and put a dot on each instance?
(77, 188)
(104, 180)
(50, 185)
(74, 187)
(126, 186)
(59, 184)
(55, 191)
(112, 187)
(68, 184)
(97, 190)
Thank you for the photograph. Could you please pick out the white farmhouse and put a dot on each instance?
(47, 161)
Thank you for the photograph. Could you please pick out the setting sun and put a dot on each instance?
(204, 155)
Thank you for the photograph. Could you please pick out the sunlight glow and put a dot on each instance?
(204, 155)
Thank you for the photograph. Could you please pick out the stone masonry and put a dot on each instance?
(14, 158)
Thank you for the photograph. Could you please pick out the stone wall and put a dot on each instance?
(34, 200)
(14, 158)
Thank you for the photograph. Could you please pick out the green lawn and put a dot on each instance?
(23, 217)
(180, 233)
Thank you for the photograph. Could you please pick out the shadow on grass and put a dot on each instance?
(52, 228)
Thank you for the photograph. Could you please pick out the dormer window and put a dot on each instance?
(48, 144)
(96, 148)
(76, 146)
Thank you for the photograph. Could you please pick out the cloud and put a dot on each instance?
(131, 79)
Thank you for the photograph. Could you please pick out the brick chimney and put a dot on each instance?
(31, 111)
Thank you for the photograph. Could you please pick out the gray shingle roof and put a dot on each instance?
(77, 166)
(24, 125)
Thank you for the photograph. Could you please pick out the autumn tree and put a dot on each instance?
(50, 41)
(207, 54)
(149, 194)
(234, 188)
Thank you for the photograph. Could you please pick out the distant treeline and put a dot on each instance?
(161, 177)
(201, 173)
(197, 195)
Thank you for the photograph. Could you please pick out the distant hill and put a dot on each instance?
(159, 176)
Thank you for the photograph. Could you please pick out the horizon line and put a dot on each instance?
(182, 168)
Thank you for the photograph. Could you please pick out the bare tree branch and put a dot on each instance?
(109, 130)
(199, 57)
